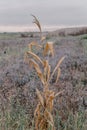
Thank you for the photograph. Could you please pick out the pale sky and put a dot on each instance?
(50, 12)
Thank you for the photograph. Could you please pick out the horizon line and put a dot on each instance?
(28, 28)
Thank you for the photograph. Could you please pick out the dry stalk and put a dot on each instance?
(43, 112)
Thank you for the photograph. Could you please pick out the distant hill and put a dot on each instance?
(74, 31)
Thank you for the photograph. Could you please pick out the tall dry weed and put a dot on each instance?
(43, 112)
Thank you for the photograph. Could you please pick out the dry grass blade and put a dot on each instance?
(43, 38)
(46, 48)
(50, 117)
(59, 93)
(46, 70)
(37, 110)
(48, 73)
(57, 66)
(49, 101)
(34, 44)
(40, 97)
(37, 68)
(50, 123)
(36, 21)
(58, 74)
(35, 56)
(31, 44)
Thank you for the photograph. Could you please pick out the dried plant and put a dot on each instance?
(43, 112)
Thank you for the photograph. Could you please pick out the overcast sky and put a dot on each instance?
(49, 12)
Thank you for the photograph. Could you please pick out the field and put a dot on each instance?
(18, 82)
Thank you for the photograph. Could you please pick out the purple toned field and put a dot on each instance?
(18, 82)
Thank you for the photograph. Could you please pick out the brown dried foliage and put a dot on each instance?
(48, 49)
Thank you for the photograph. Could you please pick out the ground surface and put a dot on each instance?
(18, 81)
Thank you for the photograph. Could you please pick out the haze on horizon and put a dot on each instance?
(16, 14)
